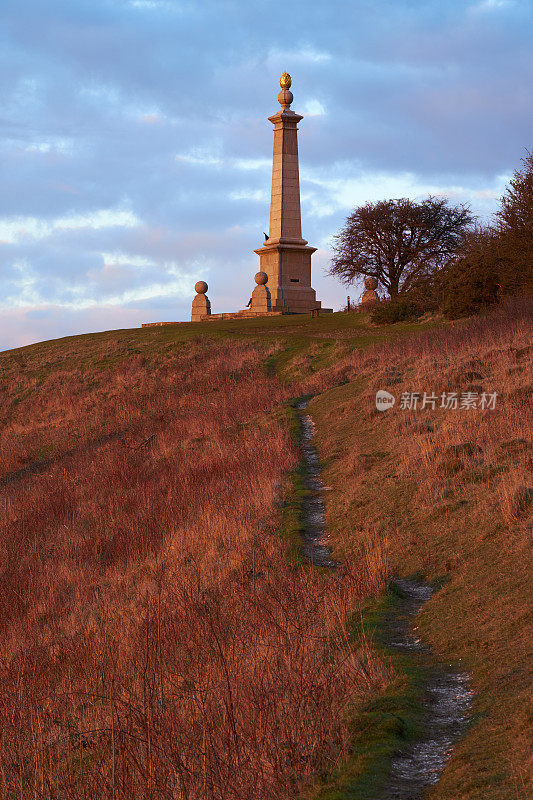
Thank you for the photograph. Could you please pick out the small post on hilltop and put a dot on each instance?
(348, 306)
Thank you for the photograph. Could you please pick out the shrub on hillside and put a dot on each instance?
(497, 261)
(424, 292)
(400, 309)
(471, 282)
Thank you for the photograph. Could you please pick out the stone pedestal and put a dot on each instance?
(261, 298)
(285, 257)
(370, 296)
(200, 305)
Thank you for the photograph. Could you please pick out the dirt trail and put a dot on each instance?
(446, 700)
(445, 704)
(314, 517)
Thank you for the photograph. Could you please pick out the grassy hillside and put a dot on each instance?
(450, 491)
(158, 640)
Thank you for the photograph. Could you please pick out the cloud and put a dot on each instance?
(338, 190)
(154, 5)
(201, 156)
(106, 283)
(15, 229)
(492, 5)
(252, 163)
(313, 108)
(302, 55)
(257, 195)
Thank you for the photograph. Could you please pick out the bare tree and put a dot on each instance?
(399, 241)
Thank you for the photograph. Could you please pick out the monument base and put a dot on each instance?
(288, 266)
(261, 298)
(245, 314)
(160, 324)
(200, 305)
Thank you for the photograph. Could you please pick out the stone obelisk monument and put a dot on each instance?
(285, 256)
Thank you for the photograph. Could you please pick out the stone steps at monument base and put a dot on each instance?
(237, 315)
(240, 315)
(159, 324)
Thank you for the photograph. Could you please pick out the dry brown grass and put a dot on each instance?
(452, 492)
(156, 640)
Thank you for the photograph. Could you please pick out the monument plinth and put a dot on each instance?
(370, 296)
(261, 297)
(285, 256)
(201, 306)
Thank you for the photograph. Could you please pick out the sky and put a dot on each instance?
(136, 153)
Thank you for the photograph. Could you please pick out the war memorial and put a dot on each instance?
(283, 283)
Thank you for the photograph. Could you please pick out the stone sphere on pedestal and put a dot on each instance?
(201, 307)
(371, 283)
(370, 296)
(285, 98)
(261, 301)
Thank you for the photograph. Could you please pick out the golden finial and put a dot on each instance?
(285, 81)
